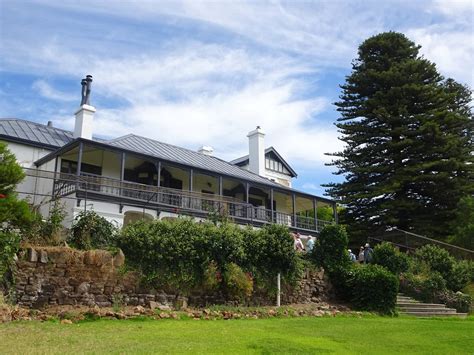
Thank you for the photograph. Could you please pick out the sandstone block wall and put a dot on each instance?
(64, 276)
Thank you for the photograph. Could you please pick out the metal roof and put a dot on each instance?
(56, 139)
(185, 156)
(33, 133)
(245, 160)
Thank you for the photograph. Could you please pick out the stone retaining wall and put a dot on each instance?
(64, 276)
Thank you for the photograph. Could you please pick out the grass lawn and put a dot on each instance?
(367, 335)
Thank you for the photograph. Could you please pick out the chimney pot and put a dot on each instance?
(206, 150)
(50, 124)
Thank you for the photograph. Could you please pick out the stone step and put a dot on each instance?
(418, 304)
(427, 310)
(435, 314)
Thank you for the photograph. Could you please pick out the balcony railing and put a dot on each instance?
(179, 201)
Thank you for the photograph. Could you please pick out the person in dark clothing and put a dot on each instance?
(368, 251)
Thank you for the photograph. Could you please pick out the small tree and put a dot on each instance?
(330, 250)
(91, 231)
(385, 254)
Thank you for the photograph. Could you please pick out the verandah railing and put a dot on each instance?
(178, 200)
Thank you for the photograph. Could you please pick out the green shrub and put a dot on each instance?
(459, 276)
(330, 250)
(423, 287)
(436, 258)
(373, 288)
(270, 251)
(184, 255)
(385, 254)
(458, 300)
(9, 246)
(91, 231)
(238, 284)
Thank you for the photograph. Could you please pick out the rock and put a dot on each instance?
(32, 255)
(164, 307)
(119, 259)
(139, 310)
(43, 257)
(66, 321)
(153, 305)
(83, 288)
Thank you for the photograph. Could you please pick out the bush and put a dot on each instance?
(457, 274)
(270, 251)
(330, 250)
(385, 254)
(184, 255)
(238, 284)
(424, 286)
(91, 231)
(458, 300)
(373, 288)
(436, 258)
(9, 245)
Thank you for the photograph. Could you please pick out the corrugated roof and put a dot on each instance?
(34, 133)
(185, 156)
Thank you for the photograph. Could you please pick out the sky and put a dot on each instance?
(195, 73)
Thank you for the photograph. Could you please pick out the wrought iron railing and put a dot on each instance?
(180, 201)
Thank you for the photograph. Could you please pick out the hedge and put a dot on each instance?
(185, 256)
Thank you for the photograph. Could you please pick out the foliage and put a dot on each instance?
(238, 284)
(373, 288)
(14, 213)
(9, 245)
(458, 300)
(270, 251)
(184, 255)
(408, 141)
(463, 224)
(385, 254)
(91, 231)
(48, 231)
(424, 286)
(457, 274)
(330, 250)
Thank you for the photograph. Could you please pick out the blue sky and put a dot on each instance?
(199, 72)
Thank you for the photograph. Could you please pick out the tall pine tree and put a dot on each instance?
(408, 156)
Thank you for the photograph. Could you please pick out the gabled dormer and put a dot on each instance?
(265, 162)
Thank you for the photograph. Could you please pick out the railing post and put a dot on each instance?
(315, 209)
(294, 210)
(79, 164)
(122, 173)
(271, 205)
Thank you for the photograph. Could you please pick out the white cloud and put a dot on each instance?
(46, 90)
(452, 50)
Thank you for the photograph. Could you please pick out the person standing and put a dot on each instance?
(368, 251)
(360, 258)
(310, 244)
(352, 256)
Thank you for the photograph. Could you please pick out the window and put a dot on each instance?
(70, 167)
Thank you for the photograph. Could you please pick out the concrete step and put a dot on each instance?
(435, 314)
(427, 310)
(418, 304)
(409, 306)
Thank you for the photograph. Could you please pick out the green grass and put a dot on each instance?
(367, 335)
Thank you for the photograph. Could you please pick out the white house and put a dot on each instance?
(132, 177)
